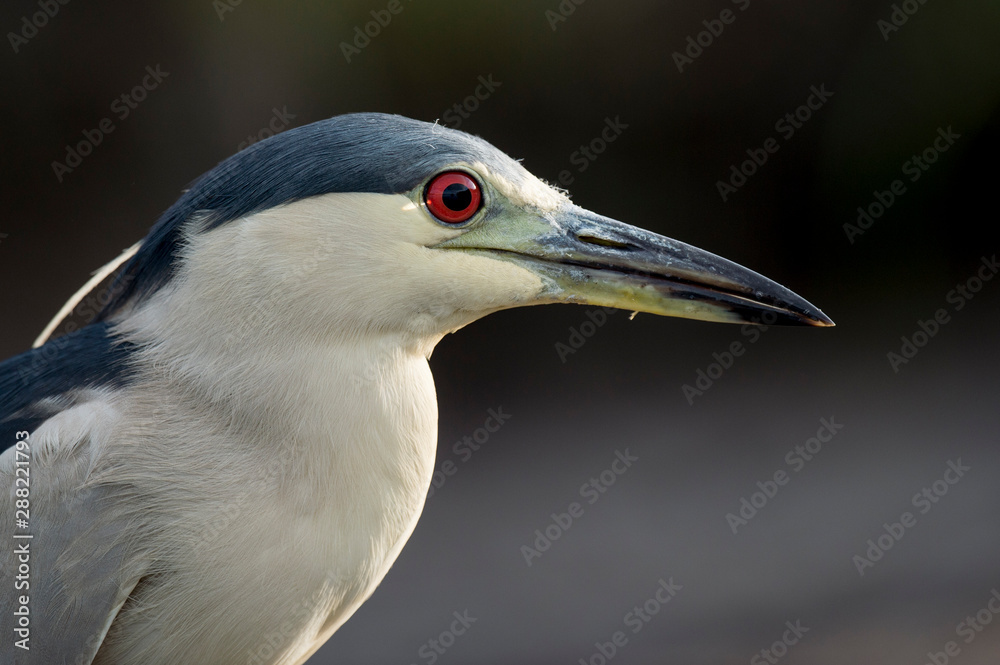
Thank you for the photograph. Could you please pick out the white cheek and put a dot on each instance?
(490, 283)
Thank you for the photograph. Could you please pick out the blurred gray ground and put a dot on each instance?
(665, 517)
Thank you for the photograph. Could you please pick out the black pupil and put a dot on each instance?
(456, 197)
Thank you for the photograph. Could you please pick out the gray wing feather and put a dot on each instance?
(79, 570)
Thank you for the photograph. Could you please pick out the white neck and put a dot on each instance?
(334, 440)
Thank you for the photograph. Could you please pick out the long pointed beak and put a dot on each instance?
(587, 258)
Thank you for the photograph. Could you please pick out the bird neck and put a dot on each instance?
(323, 448)
(342, 408)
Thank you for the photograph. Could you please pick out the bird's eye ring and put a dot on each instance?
(453, 197)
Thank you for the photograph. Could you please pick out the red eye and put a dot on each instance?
(453, 197)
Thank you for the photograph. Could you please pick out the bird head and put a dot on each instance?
(376, 223)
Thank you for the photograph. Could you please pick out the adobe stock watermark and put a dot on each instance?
(578, 335)
(592, 491)
(969, 629)
(924, 501)
(795, 459)
(958, 297)
(587, 154)
(455, 115)
(467, 446)
(262, 308)
(218, 519)
(706, 377)
(786, 126)
(714, 28)
(122, 108)
(279, 122)
(779, 648)
(223, 7)
(900, 14)
(277, 640)
(86, 309)
(434, 648)
(30, 25)
(914, 167)
(561, 13)
(3, 236)
(635, 620)
(381, 18)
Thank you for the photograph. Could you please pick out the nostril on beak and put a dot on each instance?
(603, 242)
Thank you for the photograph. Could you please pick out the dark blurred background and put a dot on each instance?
(229, 71)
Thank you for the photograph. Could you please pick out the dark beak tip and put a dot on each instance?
(791, 319)
(817, 319)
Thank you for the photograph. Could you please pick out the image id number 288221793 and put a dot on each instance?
(22, 540)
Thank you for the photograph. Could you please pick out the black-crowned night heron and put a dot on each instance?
(240, 443)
